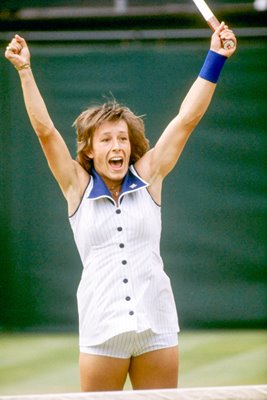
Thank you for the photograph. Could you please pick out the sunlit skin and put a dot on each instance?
(111, 151)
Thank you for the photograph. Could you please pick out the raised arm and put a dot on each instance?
(67, 172)
(160, 160)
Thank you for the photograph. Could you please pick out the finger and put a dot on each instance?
(227, 35)
(10, 55)
(15, 41)
(12, 49)
(9, 51)
(218, 29)
(20, 40)
(16, 47)
(227, 30)
(13, 46)
(221, 27)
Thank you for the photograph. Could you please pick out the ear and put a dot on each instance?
(90, 151)
(90, 154)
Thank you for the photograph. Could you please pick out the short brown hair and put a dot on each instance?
(89, 120)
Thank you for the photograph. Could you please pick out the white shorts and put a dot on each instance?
(132, 344)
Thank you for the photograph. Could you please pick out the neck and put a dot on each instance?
(114, 186)
(115, 190)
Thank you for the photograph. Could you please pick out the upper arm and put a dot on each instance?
(65, 170)
(159, 161)
(163, 157)
(170, 146)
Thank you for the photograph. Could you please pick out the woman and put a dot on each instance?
(127, 315)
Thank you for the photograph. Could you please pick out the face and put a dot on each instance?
(111, 150)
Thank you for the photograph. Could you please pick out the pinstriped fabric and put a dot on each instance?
(133, 344)
(123, 285)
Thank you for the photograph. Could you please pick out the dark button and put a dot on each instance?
(121, 245)
(119, 228)
(125, 280)
(131, 313)
(124, 262)
(118, 211)
(128, 298)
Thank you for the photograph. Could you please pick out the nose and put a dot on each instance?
(115, 144)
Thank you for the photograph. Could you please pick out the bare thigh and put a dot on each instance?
(102, 373)
(156, 369)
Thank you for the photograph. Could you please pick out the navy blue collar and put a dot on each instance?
(130, 183)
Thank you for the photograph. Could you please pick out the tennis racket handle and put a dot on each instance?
(213, 24)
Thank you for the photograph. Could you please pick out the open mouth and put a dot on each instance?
(116, 162)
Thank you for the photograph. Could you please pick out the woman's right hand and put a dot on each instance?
(17, 52)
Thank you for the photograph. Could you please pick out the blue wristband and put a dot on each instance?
(212, 66)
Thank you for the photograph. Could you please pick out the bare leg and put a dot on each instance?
(101, 373)
(156, 369)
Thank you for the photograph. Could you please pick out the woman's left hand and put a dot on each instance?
(221, 34)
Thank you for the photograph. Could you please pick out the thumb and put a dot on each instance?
(220, 28)
(20, 40)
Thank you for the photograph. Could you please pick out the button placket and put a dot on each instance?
(124, 262)
(121, 237)
(119, 229)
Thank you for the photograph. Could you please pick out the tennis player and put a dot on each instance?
(127, 315)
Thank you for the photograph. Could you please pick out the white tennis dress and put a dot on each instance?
(123, 286)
